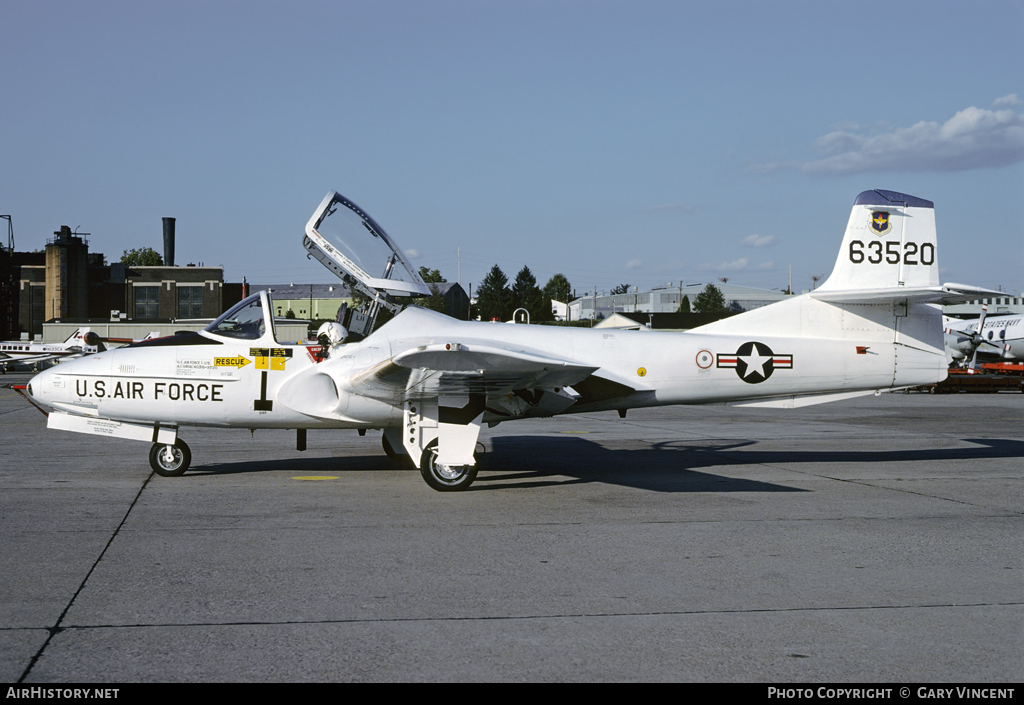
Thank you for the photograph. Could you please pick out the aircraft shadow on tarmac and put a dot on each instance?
(669, 466)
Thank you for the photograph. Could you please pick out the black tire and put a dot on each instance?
(445, 478)
(399, 456)
(176, 467)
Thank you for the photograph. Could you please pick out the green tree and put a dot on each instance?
(493, 297)
(621, 289)
(526, 294)
(684, 305)
(142, 257)
(435, 302)
(711, 300)
(558, 288)
(431, 276)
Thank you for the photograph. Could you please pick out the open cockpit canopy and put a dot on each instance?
(355, 248)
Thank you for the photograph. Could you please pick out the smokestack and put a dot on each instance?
(168, 242)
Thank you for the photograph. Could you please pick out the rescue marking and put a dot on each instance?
(276, 357)
(238, 362)
(268, 359)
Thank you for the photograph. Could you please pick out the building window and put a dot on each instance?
(190, 302)
(147, 302)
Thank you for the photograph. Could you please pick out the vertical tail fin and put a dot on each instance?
(78, 336)
(889, 243)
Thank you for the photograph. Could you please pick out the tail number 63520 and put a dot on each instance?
(890, 252)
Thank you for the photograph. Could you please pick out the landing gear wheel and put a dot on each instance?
(445, 478)
(170, 461)
(396, 455)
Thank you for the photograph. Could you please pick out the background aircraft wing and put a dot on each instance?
(29, 359)
(464, 368)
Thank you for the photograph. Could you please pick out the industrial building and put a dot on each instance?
(67, 283)
(322, 301)
(667, 300)
(309, 301)
(996, 305)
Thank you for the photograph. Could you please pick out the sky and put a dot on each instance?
(644, 142)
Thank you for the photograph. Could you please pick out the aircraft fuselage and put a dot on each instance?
(253, 384)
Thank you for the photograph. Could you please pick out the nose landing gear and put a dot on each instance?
(170, 460)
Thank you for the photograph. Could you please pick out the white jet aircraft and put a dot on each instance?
(19, 352)
(429, 381)
(1000, 336)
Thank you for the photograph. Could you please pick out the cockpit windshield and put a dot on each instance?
(349, 242)
(244, 321)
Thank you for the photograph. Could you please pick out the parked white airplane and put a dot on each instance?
(19, 352)
(1000, 336)
(82, 342)
(429, 381)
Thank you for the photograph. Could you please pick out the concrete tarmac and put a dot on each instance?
(874, 540)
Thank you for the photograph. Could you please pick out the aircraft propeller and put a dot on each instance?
(976, 340)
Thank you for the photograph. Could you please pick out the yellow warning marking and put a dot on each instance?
(642, 371)
(314, 478)
(231, 361)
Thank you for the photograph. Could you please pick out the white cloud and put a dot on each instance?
(1007, 101)
(759, 240)
(974, 138)
(634, 263)
(739, 265)
(734, 266)
(412, 254)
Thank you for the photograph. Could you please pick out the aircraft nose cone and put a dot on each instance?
(38, 384)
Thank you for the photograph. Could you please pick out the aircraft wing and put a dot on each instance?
(27, 359)
(464, 368)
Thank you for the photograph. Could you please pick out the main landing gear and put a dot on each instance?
(445, 478)
(439, 476)
(170, 460)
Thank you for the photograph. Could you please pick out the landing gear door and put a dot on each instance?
(347, 241)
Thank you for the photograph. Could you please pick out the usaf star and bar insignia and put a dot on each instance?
(754, 362)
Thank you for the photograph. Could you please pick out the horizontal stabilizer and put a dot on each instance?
(945, 294)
